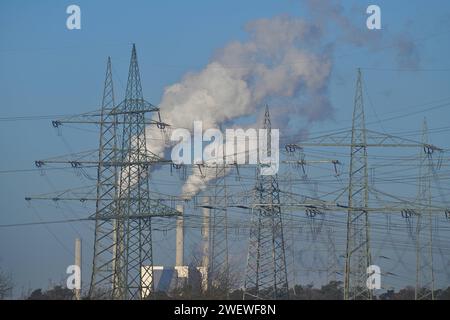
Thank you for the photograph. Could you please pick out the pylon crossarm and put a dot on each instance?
(90, 159)
(112, 115)
(58, 123)
(81, 194)
(157, 208)
(387, 140)
(337, 208)
(74, 159)
(85, 193)
(301, 162)
(168, 213)
(88, 117)
(409, 206)
(144, 107)
(373, 139)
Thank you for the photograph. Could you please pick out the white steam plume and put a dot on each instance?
(283, 59)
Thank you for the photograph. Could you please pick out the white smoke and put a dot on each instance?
(198, 181)
(283, 58)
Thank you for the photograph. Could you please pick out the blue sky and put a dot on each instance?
(46, 69)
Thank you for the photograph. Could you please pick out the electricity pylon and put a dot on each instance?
(219, 275)
(359, 139)
(123, 258)
(107, 177)
(133, 247)
(358, 257)
(424, 229)
(266, 275)
(332, 261)
(219, 269)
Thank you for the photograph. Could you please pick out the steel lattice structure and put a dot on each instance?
(332, 261)
(219, 269)
(357, 257)
(107, 177)
(266, 275)
(123, 259)
(123, 255)
(133, 240)
(359, 140)
(424, 230)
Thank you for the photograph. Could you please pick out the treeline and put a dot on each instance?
(330, 291)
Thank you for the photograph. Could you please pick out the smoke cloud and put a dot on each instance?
(286, 61)
(330, 12)
(283, 58)
(407, 53)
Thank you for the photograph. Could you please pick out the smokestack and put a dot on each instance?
(179, 237)
(205, 236)
(78, 263)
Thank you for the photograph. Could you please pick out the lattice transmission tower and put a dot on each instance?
(332, 258)
(133, 245)
(132, 260)
(219, 268)
(424, 229)
(358, 257)
(107, 177)
(266, 275)
(359, 139)
(123, 257)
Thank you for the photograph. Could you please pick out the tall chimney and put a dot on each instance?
(179, 237)
(204, 269)
(205, 261)
(78, 263)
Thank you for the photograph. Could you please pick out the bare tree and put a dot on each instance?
(5, 285)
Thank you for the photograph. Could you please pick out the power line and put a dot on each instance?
(23, 224)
